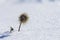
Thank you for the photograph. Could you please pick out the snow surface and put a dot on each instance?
(43, 23)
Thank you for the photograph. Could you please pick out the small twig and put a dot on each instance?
(11, 29)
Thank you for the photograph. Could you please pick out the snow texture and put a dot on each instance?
(5, 34)
(43, 23)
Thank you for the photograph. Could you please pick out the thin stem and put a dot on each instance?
(19, 27)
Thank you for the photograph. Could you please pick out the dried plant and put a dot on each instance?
(22, 19)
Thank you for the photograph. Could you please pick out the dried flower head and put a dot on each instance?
(23, 18)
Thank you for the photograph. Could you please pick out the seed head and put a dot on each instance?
(23, 18)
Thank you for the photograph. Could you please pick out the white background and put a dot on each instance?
(43, 23)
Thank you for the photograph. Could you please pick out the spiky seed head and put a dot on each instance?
(23, 18)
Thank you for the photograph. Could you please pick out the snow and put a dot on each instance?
(43, 23)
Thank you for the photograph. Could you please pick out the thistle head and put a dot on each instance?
(23, 18)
